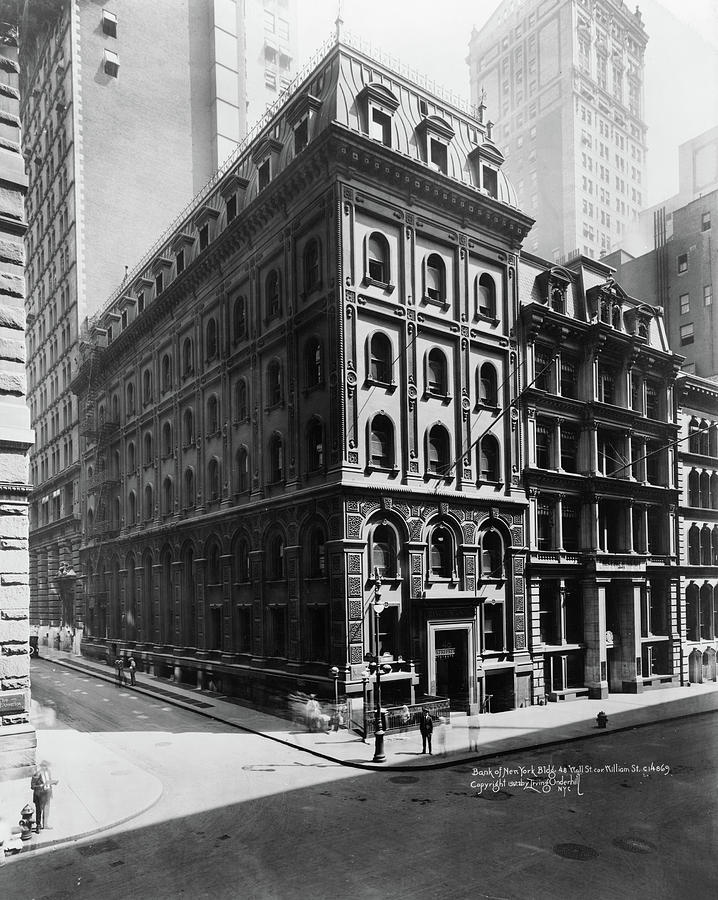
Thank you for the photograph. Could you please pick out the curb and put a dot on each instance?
(382, 767)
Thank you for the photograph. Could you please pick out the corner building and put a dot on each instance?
(600, 433)
(305, 388)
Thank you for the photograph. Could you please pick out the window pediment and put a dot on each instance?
(379, 95)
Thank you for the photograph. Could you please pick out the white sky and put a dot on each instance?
(681, 92)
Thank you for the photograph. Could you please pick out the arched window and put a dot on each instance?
(313, 367)
(131, 457)
(131, 508)
(188, 427)
(239, 319)
(214, 564)
(166, 372)
(272, 297)
(130, 394)
(488, 392)
(167, 442)
(380, 358)
(438, 457)
(211, 342)
(316, 556)
(242, 470)
(705, 546)
(435, 278)
(381, 443)
(115, 408)
(90, 520)
(714, 540)
(275, 557)
(492, 554)
(694, 546)
(377, 258)
(704, 439)
(616, 317)
(274, 383)
(168, 497)
(213, 415)
(187, 357)
(706, 602)
(188, 486)
(276, 459)
(148, 510)
(489, 459)
(148, 454)
(242, 561)
(693, 488)
(315, 445)
(213, 484)
(704, 490)
(312, 266)
(436, 373)
(147, 386)
(486, 296)
(383, 552)
(241, 404)
(713, 441)
(441, 552)
(692, 613)
(714, 491)
(694, 440)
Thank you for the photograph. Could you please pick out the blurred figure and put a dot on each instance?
(312, 713)
(42, 784)
(440, 733)
(133, 669)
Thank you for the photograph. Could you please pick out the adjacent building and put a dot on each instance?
(598, 419)
(128, 109)
(564, 80)
(17, 737)
(698, 534)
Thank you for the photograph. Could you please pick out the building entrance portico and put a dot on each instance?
(452, 662)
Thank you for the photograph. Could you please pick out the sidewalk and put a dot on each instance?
(88, 806)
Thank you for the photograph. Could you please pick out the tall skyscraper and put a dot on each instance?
(128, 109)
(563, 81)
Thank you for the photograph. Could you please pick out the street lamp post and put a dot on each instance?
(334, 672)
(378, 606)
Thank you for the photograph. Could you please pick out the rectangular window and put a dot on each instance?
(179, 259)
(203, 237)
(111, 63)
(380, 127)
(283, 29)
(270, 79)
(543, 370)
(140, 303)
(707, 294)
(109, 23)
(685, 303)
(569, 375)
(544, 513)
(264, 175)
(569, 450)
(231, 207)
(544, 441)
(490, 181)
(301, 135)
(438, 155)
(687, 335)
(159, 283)
(705, 221)
(682, 263)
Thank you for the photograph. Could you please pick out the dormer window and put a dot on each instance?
(379, 104)
(301, 135)
(264, 175)
(438, 155)
(490, 181)
(266, 158)
(231, 207)
(204, 236)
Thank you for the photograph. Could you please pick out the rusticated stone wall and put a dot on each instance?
(17, 737)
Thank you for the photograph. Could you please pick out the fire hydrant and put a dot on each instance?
(27, 822)
(601, 720)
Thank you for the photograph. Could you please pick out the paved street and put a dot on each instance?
(242, 816)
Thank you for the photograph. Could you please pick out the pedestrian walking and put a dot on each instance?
(119, 667)
(133, 669)
(42, 783)
(404, 717)
(426, 727)
(312, 713)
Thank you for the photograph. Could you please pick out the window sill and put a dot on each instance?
(389, 470)
(386, 286)
(435, 476)
(442, 303)
(441, 579)
(274, 406)
(389, 386)
(435, 395)
(484, 317)
(489, 407)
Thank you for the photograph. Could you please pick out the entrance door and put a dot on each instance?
(451, 653)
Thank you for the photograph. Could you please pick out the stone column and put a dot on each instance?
(594, 631)
(17, 737)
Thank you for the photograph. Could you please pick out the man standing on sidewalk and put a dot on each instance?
(42, 784)
(133, 669)
(119, 667)
(426, 727)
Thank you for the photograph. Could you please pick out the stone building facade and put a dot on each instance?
(599, 426)
(17, 737)
(306, 389)
(698, 531)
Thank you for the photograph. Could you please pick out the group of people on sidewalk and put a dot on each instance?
(120, 665)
